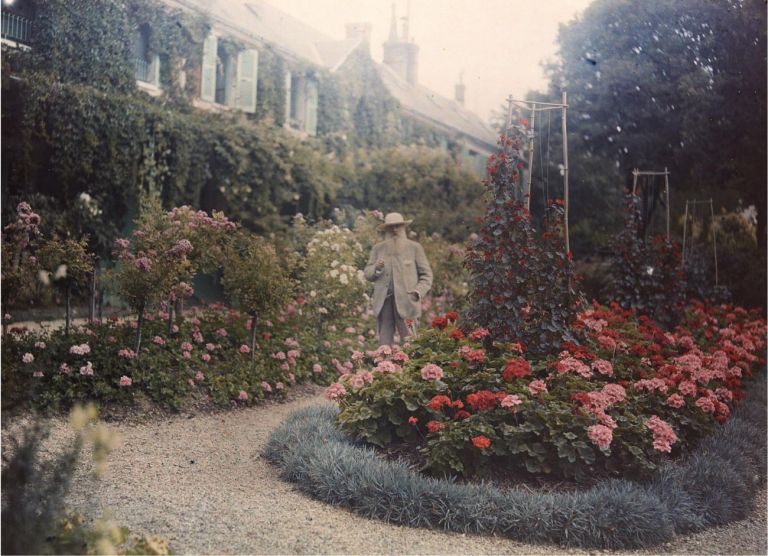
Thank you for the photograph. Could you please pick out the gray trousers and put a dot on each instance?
(388, 320)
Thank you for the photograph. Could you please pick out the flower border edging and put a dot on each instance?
(713, 486)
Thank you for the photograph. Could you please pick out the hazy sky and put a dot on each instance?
(497, 44)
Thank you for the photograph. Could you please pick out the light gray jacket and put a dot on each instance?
(409, 270)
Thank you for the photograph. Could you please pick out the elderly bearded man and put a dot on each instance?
(401, 275)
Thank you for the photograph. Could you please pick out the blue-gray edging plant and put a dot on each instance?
(712, 486)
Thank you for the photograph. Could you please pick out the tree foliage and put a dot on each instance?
(665, 83)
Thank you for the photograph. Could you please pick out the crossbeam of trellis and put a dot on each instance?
(535, 106)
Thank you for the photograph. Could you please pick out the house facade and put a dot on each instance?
(232, 69)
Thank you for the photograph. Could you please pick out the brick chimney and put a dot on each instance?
(459, 90)
(400, 53)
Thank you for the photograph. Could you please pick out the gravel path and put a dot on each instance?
(199, 481)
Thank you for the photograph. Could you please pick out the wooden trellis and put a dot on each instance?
(534, 107)
(637, 173)
(692, 203)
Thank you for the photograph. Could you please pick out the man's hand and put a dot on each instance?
(379, 264)
(415, 296)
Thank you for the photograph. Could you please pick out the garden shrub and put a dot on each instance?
(35, 519)
(311, 451)
(614, 405)
(522, 281)
(647, 275)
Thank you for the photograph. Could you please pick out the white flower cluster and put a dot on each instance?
(334, 239)
(345, 273)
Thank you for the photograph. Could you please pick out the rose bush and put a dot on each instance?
(627, 397)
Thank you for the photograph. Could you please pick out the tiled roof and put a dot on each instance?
(435, 108)
(267, 23)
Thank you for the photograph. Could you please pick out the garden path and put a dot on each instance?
(199, 481)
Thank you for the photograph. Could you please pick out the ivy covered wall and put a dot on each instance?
(75, 123)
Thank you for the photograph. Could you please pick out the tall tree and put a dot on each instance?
(666, 83)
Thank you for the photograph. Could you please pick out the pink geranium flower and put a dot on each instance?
(430, 371)
(537, 387)
(600, 435)
(511, 401)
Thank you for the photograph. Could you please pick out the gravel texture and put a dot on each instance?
(199, 481)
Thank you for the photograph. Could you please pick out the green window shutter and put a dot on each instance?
(247, 74)
(155, 69)
(287, 85)
(208, 73)
(310, 118)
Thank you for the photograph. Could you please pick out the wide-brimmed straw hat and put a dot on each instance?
(394, 219)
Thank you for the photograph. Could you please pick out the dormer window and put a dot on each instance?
(147, 67)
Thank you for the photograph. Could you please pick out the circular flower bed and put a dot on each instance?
(712, 486)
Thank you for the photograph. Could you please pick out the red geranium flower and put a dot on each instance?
(439, 322)
(456, 334)
(435, 426)
(481, 442)
(461, 415)
(452, 316)
(437, 403)
(516, 368)
(482, 400)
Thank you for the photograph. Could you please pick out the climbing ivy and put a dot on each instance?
(82, 127)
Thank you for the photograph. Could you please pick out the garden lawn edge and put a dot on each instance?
(714, 485)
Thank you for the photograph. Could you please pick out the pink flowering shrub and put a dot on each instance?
(597, 407)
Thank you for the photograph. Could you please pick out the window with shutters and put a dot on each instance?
(310, 119)
(224, 75)
(247, 76)
(208, 69)
(147, 67)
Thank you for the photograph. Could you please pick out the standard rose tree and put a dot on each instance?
(255, 280)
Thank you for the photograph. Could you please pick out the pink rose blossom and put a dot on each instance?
(317, 368)
(199, 376)
(158, 340)
(143, 264)
(245, 349)
(40, 345)
(266, 387)
(87, 370)
(125, 381)
(28, 358)
(222, 333)
(242, 396)
(186, 346)
(197, 336)
(64, 368)
(82, 349)
(279, 386)
(37, 374)
(186, 354)
(430, 371)
(127, 353)
(206, 357)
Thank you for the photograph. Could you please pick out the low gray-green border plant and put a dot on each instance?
(712, 486)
